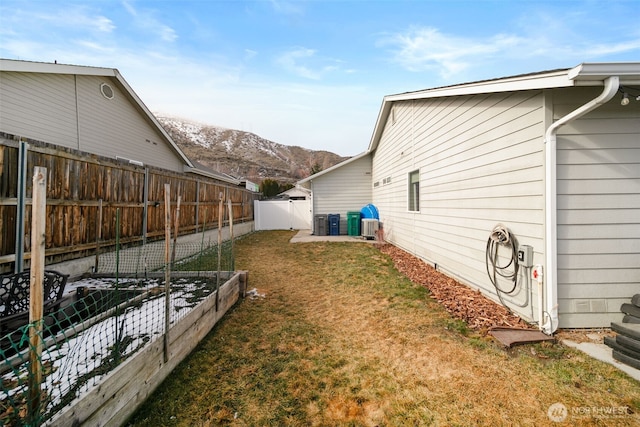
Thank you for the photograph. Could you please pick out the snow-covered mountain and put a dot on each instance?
(243, 154)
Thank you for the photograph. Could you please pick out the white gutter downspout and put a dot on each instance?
(550, 322)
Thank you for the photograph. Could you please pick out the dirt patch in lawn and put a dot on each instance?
(336, 335)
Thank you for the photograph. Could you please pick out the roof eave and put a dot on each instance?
(508, 84)
(332, 168)
(596, 73)
(152, 118)
(54, 68)
(585, 74)
(207, 174)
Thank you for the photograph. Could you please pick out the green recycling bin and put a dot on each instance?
(353, 223)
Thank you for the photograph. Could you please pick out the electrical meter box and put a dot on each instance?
(525, 256)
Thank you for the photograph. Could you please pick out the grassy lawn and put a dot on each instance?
(341, 338)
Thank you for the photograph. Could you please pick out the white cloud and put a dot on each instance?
(612, 49)
(249, 54)
(286, 7)
(290, 61)
(428, 49)
(74, 18)
(167, 33)
(421, 49)
(303, 62)
(93, 46)
(148, 23)
(104, 24)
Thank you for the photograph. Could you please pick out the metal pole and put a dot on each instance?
(98, 237)
(175, 233)
(197, 205)
(145, 210)
(20, 206)
(204, 227)
(230, 205)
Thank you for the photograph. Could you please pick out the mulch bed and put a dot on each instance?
(469, 305)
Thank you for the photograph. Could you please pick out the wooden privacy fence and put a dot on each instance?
(96, 354)
(83, 193)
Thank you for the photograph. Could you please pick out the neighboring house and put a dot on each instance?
(345, 187)
(89, 109)
(553, 156)
(251, 186)
(295, 193)
(100, 144)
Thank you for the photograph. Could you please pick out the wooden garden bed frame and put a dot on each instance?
(120, 393)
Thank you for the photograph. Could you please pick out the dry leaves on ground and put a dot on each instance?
(479, 312)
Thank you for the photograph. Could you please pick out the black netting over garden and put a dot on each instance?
(95, 323)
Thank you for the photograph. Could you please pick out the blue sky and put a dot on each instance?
(308, 72)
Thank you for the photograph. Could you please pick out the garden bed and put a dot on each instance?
(101, 342)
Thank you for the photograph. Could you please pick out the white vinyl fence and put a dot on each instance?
(282, 214)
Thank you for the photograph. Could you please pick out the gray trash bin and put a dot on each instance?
(320, 225)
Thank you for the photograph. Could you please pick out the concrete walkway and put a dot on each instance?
(305, 236)
(603, 353)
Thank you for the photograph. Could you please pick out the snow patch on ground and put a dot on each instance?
(76, 364)
(253, 294)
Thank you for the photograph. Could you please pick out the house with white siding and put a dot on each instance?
(345, 187)
(90, 109)
(295, 193)
(552, 159)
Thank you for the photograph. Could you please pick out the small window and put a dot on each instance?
(414, 191)
(376, 184)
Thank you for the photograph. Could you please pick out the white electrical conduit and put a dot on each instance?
(549, 320)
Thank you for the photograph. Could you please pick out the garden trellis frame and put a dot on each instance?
(39, 387)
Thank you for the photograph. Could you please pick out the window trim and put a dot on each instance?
(413, 191)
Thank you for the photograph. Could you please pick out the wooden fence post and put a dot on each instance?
(167, 268)
(220, 222)
(36, 292)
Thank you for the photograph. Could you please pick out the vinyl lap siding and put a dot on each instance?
(41, 107)
(114, 127)
(345, 189)
(481, 163)
(70, 111)
(598, 211)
